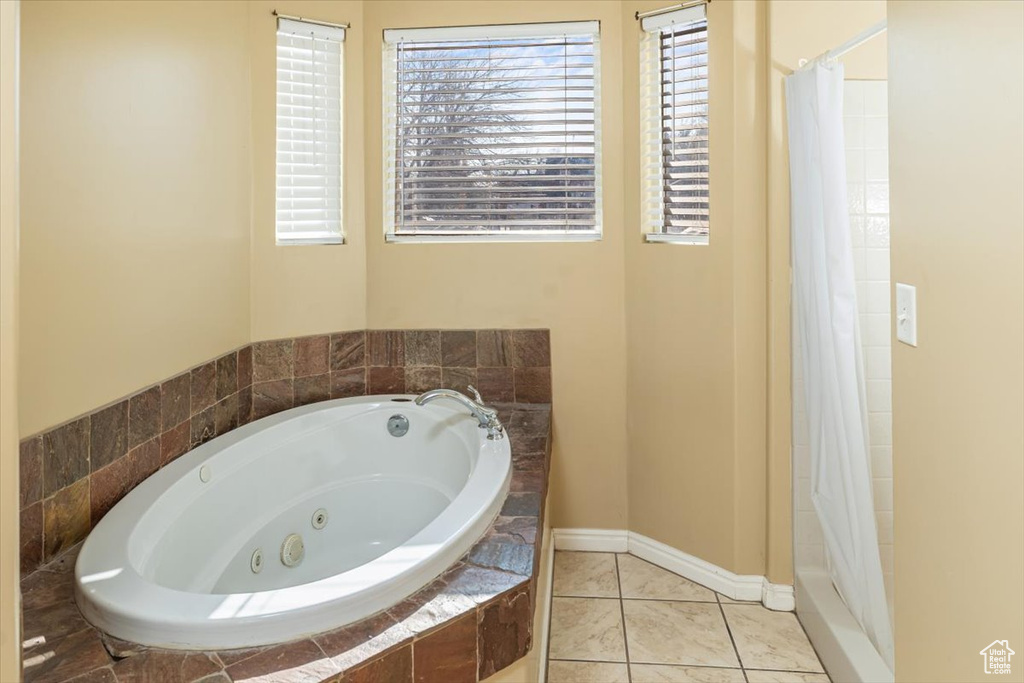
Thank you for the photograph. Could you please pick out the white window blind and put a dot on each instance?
(309, 117)
(674, 101)
(493, 132)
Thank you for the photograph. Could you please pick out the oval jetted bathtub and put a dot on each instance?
(295, 524)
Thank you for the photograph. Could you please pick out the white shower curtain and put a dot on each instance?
(824, 298)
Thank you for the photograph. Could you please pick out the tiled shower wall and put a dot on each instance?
(867, 161)
(72, 474)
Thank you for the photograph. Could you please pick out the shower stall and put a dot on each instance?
(842, 397)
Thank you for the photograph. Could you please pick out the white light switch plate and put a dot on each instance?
(906, 313)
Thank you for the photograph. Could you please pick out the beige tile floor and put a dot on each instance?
(618, 619)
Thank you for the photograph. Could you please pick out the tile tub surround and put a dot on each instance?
(72, 474)
(616, 618)
(473, 620)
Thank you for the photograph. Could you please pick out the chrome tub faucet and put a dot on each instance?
(487, 417)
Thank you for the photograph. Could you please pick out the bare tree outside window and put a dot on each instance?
(495, 136)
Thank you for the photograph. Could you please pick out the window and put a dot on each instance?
(492, 133)
(674, 101)
(309, 91)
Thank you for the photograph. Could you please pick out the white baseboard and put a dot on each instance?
(749, 587)
(591, 540)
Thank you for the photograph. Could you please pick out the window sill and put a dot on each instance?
(425, 238)
(309, 241)
(662, 238)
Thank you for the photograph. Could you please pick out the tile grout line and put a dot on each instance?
(732, 640)
(622, 613)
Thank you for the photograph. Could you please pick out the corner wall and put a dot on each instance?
(298, 290)
(696, 320)
(956, 174)
(134, 197)
(575, 289)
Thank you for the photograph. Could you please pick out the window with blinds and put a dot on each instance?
(492, 132)
(674, 84)
(309, 117)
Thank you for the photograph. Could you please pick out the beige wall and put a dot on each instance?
(10, 596)
(958, 236)
(299, 290)
(575, 289)
(696, 321)
(134, 197)
(796, 30)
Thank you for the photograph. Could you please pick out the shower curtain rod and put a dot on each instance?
(853, 43)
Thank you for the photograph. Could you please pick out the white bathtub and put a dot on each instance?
(170, 564)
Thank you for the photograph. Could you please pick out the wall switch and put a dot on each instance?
(906, 313)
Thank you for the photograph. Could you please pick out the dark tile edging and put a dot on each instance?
(472, 621)
(72, 474)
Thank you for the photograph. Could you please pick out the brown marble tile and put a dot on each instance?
(348, 350)
(245, 366)
(65, 562)
(312, 389)
(532, 348)
(458, 379)
(31, 536)
(175, 442)
(386, 380)
(245, 405)
(203, 427)
(347, 383)
(533, 385)
(505, 631)
(52, 662)
(104, 675)
(494, 348)
(385, 348)
(296, 662)
(108, 435)
(351, 645)
(458, 348)
(422, 348)
(166, 667)
(227, 375)
(204, 387)
(107, 486)
(528, 480)
(521, 505)
(65, 518)
(420, 379)
(534, 422)
(176, 400)
(448, 655)
(65, 455)
(272, 397)
(517, 558)
(52, 622)
(312, 355)
(225, 415)
(44, 589)
(230, 657)
(515, 529)
(273, 360)
(30, 471)
(482, 584)
(495, 384)
(143, 416)
(395, 667)
(433, 605)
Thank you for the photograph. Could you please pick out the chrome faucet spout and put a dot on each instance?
(487, 417)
